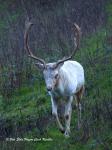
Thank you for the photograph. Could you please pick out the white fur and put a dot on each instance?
(71, 79)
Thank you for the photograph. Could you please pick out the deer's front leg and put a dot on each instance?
(68, 112)
(54, 113)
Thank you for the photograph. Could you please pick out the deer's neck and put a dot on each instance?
(63, 82)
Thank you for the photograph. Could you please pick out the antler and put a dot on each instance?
(76, 42)
(28, 25)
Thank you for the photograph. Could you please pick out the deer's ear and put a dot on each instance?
(40, 66)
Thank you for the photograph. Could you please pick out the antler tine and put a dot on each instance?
(28, 25)
(76, 42)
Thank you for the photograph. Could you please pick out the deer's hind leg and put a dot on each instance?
(79, 95)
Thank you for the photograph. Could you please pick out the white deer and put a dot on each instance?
(64, 80)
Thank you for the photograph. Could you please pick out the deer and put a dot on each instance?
(64, 80)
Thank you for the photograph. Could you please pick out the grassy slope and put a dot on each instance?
(96, 57)
(26, 102)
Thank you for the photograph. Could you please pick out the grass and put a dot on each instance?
(30, 105)
(27, 102)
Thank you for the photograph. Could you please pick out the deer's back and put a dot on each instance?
(75, 74)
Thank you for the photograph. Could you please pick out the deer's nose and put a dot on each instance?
(49, 88)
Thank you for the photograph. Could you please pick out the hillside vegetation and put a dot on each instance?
(25, 108)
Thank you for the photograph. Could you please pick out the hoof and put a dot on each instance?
(66, 134)
(62, 130)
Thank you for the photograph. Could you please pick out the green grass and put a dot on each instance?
(29, 103)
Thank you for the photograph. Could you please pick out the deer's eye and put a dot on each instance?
(56, 76)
